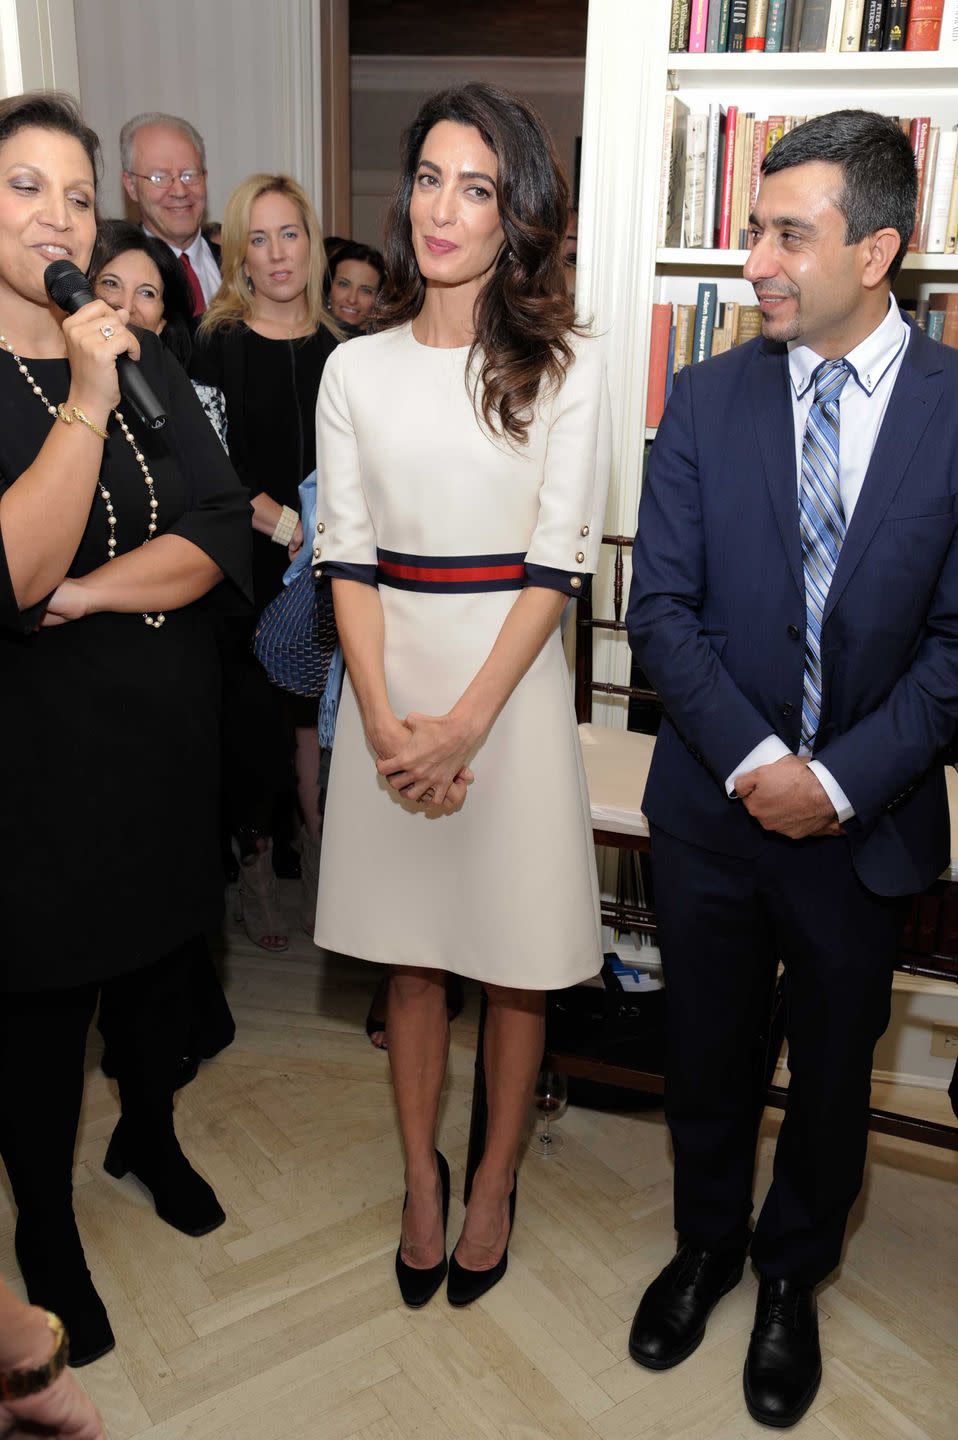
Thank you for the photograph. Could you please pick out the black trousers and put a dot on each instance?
(724, 923)
(42, 1047)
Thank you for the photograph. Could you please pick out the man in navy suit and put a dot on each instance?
(795, 605)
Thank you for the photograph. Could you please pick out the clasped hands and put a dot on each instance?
(788, 797)
(424, 758)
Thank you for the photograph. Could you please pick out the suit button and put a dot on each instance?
(793, 632)
(320, 527)
(788, 708)
(575, 582)
(580, 557)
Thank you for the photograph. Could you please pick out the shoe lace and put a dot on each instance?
(782, 1309)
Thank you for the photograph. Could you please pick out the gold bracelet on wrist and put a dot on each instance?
(18, 1384)
(79, 415)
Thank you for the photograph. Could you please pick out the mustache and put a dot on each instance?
(766, 294)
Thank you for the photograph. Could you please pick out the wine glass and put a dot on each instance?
(551, 1099)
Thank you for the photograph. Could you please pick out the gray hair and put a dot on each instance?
(157, 117)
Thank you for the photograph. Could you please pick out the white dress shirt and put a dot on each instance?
(874, 366)
(201, 258)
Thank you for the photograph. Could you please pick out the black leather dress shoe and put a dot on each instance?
(783, 1368)
(417, 1287)
(670, 1321)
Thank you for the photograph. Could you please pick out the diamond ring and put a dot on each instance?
(107, 331)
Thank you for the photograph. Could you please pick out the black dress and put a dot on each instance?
(270, 388)
(109, 729)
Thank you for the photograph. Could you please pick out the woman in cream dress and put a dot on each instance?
(463, 462)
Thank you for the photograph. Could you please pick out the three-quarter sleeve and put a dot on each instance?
(564, 551)
(11, 616)
(218, 518)
(344, 544)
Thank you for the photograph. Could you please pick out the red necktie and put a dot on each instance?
(193, 280)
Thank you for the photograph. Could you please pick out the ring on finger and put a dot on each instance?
(107, 331)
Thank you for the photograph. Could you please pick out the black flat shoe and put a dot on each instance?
(464, 1285)
(670, 1321)
(181, 1197)
(54, 1270)
(419, 1286)
(783, 1368)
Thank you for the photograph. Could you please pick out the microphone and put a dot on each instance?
(68, 287)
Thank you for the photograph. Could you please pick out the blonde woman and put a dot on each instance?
(264, 341)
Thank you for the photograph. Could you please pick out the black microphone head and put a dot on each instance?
(67, 286)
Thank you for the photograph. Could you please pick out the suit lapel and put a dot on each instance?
(912, 403)
(775, 430)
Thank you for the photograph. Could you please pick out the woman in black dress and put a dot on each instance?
(111, 535)
(263, 342)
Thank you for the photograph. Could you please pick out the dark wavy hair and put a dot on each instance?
(116, 237)
(523, 314)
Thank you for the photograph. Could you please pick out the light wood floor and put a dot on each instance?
(286, 1323)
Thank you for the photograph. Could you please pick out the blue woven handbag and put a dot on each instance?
(296, 636)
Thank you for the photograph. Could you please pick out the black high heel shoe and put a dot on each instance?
(464, 1285)
(419, 1286)
(181, 1197)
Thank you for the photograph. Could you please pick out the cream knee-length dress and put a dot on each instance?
(451, 522)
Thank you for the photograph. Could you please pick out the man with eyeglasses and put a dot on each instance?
(164, 172)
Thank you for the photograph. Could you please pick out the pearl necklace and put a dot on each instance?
(154, 621)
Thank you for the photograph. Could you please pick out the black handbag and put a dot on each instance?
(296, 636)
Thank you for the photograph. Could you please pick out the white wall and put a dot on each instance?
(245, 72)
(387, 91)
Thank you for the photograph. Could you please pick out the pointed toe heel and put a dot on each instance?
(467, 1286)
(417, 1287)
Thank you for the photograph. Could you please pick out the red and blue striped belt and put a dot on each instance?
(451, 574)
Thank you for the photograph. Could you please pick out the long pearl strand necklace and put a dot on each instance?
(154, 621)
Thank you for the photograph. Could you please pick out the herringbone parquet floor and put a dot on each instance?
(286, 1324)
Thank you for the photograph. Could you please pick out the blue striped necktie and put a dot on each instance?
(822, 520)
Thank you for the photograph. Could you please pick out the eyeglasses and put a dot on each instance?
(162, 179)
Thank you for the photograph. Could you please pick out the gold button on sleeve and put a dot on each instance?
(580, 556)
(575, 582)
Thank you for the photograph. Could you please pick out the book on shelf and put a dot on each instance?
(712, 28)
(756, 18)
(931, 163)
(728, 171)
(951, 230)
(896, 23)
(873, 26)
(693, 207)
(679, 25)
(684, 334)
(814, 31)
(672, 178)
(775, 26)
(948, 40)
(948, 304)
(737, 21)
(939, 190)
(852, 25)
(920, 126)
(792, 32)
(924, 24)
(935, 324)
(658, 361)
(704, 326)
(698, 25)
(713, 173)
(836, 20)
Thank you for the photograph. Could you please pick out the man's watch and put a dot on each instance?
(18, 1384)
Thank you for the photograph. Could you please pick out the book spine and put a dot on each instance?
(776, 129)
(673, 233)
(836, 16)
(670, 362)
(949, 334)
(679, 26)
(852, 25)
(731, 322)
(704, 322)
(924, 27)
(658, 358)
(759, 140)
(874, 25)
(665, 171)
(949, 27)
(725, 11)
(896, 24)
(793, 25)
(742, 186)
(728, 175)
(684, 325)
(919, 145)
(951, 234)
(935, 324)
(712, 30)
(814, 34)
(693, 214)
(940, 204)
(775, 26)
(738, 17)
(931, 170)
(698, 26)
(756, 18)
(712, 174)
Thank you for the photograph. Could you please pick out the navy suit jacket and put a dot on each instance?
(717, 610)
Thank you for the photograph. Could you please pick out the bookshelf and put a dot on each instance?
(622, 271)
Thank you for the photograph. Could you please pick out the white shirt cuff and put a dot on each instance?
(844, 809)
(766, 752)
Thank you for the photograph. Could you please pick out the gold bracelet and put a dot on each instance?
(79, 415)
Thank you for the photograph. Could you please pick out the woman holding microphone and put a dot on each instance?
(110, 536)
